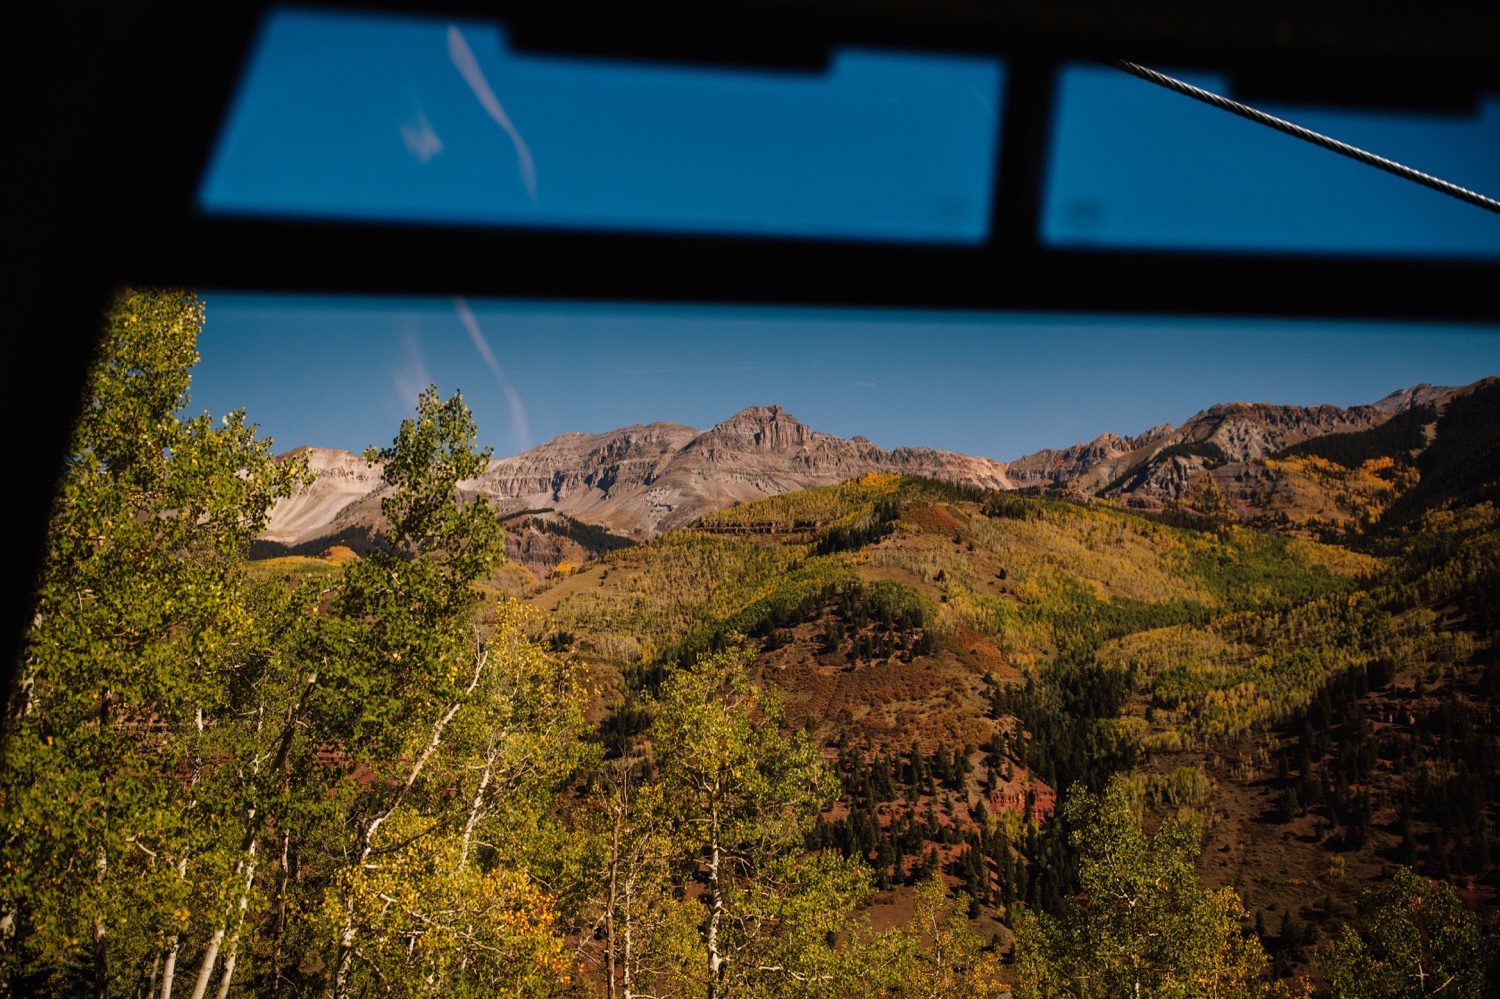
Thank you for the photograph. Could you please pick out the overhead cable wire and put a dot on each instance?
(1308, 135)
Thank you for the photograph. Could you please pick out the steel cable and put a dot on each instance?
(1308, 135)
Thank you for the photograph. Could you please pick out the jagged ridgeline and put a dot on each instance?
(1322, 471)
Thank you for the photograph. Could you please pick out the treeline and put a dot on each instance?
(871, 620)
(860, 529)
(679, 581)
(592, 538)
(1402, 436)
(796, 511)
(1461, 467)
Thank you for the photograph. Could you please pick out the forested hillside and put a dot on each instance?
(971, 657)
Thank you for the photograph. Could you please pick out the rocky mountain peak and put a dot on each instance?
(761, 414)
(1251, 431)
(1409, 398)
(758, 428)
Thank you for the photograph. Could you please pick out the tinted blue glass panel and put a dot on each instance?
(407, 118)
(1133, 165)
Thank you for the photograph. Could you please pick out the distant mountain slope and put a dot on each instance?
(1106, 452)
(1460, 462)
(1158, 465)
(1442, 450)
(635, 481)
(342, 479)
(1317, 470)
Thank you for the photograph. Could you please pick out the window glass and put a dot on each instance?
(366, 116)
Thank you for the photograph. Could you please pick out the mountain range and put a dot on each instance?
(634, 482)
(638, 481)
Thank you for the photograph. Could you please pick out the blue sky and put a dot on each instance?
(342, 372)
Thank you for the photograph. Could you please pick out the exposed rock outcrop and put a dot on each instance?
(639, 480)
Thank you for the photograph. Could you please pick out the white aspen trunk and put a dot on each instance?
(279, 933)
(206, 966)
(211, 953)
(232, 951)
(169, 969)
(609, 911)
(230, 956)
(476, 807)
(346, 953)
(101, 955)
(626, 976)
(715, 911)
